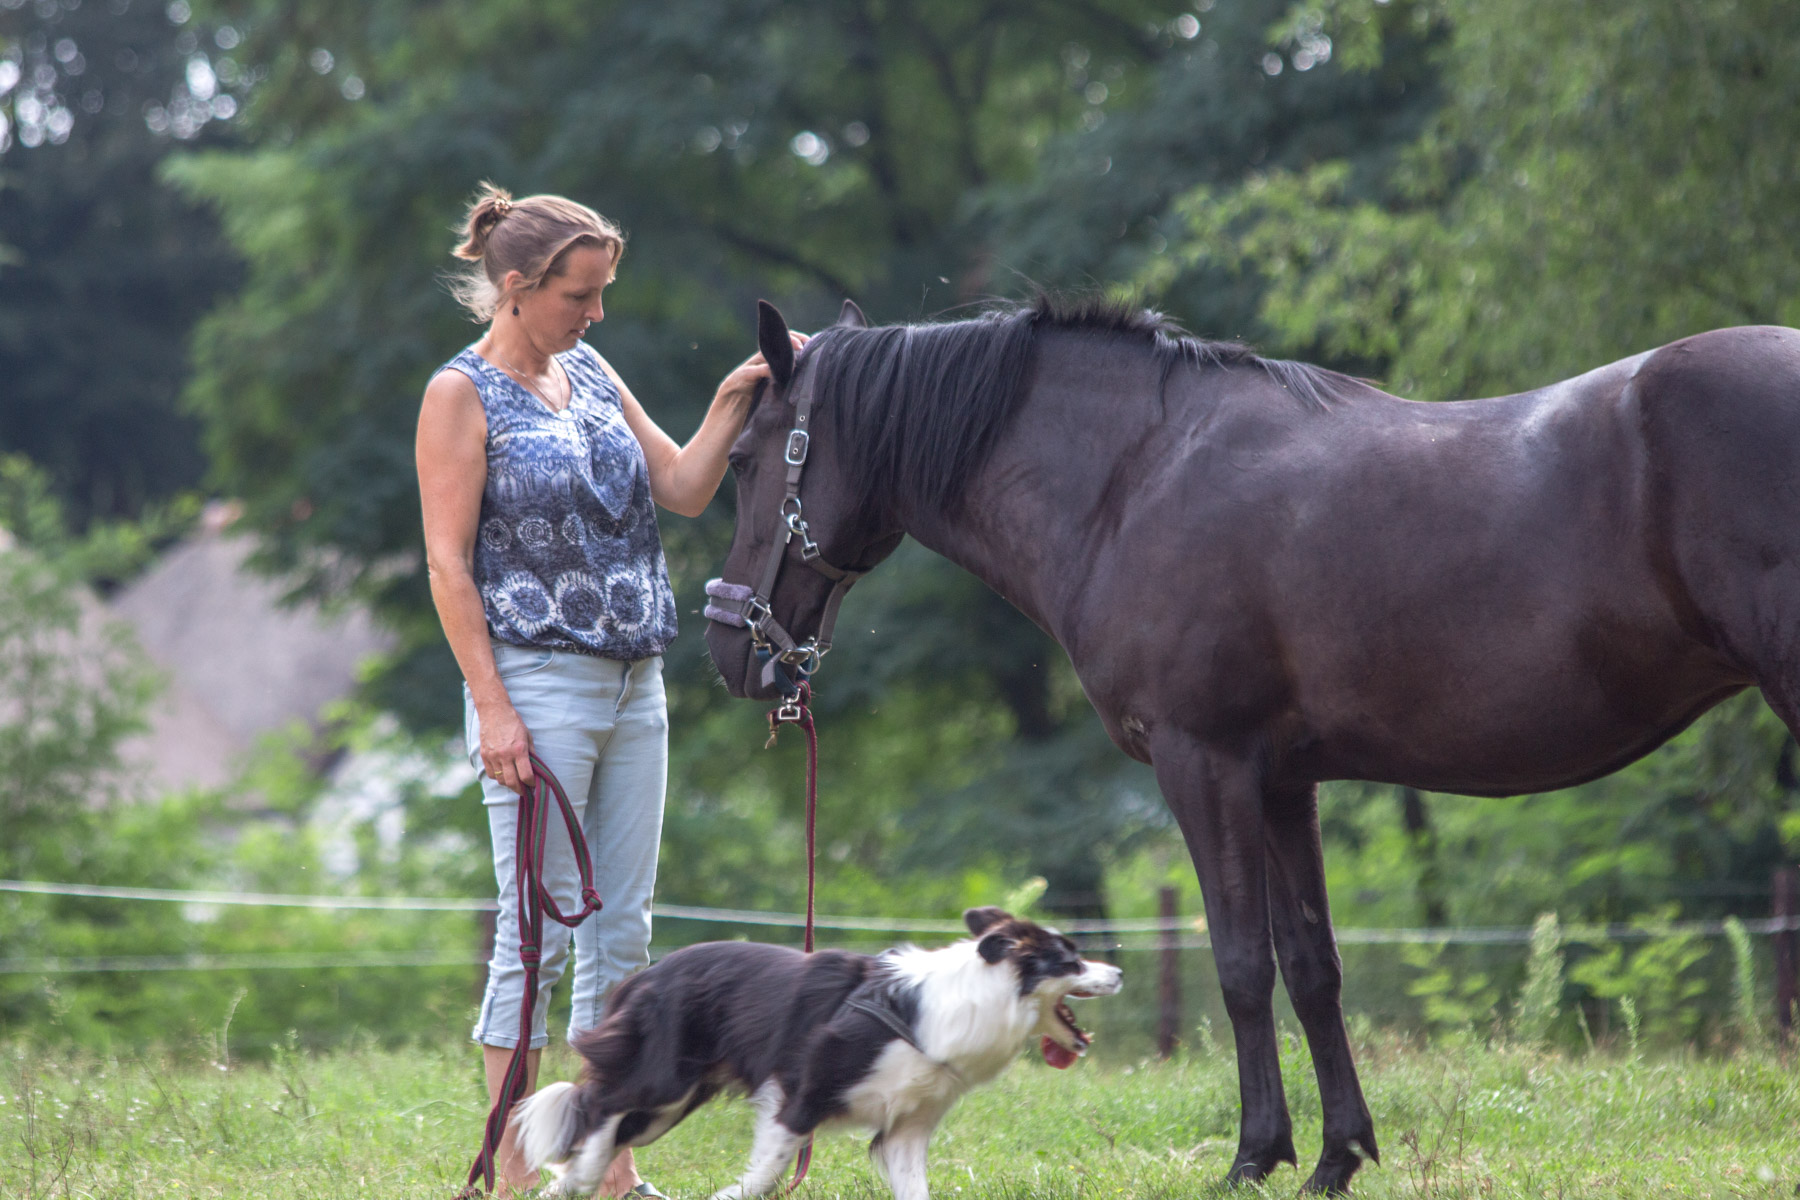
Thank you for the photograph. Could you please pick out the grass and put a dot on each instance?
(1454, 1122)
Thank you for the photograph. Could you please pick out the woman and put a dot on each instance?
(537, 474)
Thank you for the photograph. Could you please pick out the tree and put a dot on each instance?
(802, 152)
(1601, 180)
(106, 269)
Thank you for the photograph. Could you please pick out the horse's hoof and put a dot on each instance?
(1250, 1171)
(1332, 1176)
(1257, 1161)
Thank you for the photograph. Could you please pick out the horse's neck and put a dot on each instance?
(1030, 513)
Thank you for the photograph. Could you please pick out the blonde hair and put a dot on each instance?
(529, 236)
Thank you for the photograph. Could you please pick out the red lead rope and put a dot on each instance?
(535, 901)
(796, 712)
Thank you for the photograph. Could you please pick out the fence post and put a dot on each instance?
(1168, 1022)
(1786, 892)
(485, 922)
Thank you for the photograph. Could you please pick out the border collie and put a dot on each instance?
(889, 1043)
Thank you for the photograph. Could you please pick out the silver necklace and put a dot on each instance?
(524, 378)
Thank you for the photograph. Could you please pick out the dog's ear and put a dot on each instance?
(980, 920)
(995, 947)
(852, 316)
(773, 340)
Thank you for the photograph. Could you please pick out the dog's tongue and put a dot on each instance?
(1057, 1054)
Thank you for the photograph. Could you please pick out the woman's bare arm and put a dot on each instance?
(451, 451)
(683, 479)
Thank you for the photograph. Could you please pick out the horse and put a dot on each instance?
(1267, 574)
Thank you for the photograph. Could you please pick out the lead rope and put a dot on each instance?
(535, 901)
(796, 711)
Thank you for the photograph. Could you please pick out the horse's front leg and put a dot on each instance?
(1217, 800)
(1301, 922)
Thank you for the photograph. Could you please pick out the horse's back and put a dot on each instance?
(1473, 596)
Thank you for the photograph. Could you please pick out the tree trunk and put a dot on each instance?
(1421, 840)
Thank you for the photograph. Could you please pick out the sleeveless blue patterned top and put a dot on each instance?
(567, 554)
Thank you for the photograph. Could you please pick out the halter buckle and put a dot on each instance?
(797, 442)
(756, 611)
(805, 656)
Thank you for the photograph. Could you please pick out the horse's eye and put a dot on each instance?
(736, 462)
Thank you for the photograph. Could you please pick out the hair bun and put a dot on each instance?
(533, 246)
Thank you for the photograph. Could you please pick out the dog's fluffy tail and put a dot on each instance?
(546, 1121)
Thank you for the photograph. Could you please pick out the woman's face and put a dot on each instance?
(558, 312)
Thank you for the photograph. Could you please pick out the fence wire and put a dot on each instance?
(1124, 934)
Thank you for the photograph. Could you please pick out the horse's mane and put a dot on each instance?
(920, 407)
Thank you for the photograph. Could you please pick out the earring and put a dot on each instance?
(515, 310)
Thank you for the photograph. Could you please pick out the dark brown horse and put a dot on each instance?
(1267, 575)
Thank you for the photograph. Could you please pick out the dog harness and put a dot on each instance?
(874, 1002)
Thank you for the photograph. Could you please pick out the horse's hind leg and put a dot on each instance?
(1217, 800)
(1300, 919)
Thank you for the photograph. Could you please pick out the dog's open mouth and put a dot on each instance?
(1055, 1052)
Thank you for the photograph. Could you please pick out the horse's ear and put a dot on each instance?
(773, 340)
(980, 920)
(852, 316)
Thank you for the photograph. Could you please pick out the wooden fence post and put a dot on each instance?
(1168, 1022)
(1786, 893)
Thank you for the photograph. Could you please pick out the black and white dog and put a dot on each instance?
(889, 1043)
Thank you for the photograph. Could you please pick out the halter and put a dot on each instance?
(735, 604)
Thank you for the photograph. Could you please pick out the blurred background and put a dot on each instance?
(223, 226)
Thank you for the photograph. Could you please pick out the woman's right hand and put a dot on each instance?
(505, 747)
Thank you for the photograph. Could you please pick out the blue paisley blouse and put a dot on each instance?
(567, 554)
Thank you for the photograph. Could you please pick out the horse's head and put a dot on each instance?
(802, 536)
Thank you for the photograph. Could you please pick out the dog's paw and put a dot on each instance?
(564, 1183)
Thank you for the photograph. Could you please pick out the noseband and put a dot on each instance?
(735, 604)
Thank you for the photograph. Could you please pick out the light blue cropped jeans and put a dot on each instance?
(603, 727)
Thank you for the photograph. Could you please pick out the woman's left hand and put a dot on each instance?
(740, 385)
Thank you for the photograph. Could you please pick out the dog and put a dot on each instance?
(887, 1042)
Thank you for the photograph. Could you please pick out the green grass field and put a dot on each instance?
(1474, 1122)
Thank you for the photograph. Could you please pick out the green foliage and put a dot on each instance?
(1658, 975)
(72, 686)
(107, 551)
(1456, 999)
(105, 270)
(1541, 997)
(1634, 1024)
(1600, 180)
(1744, 1012)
